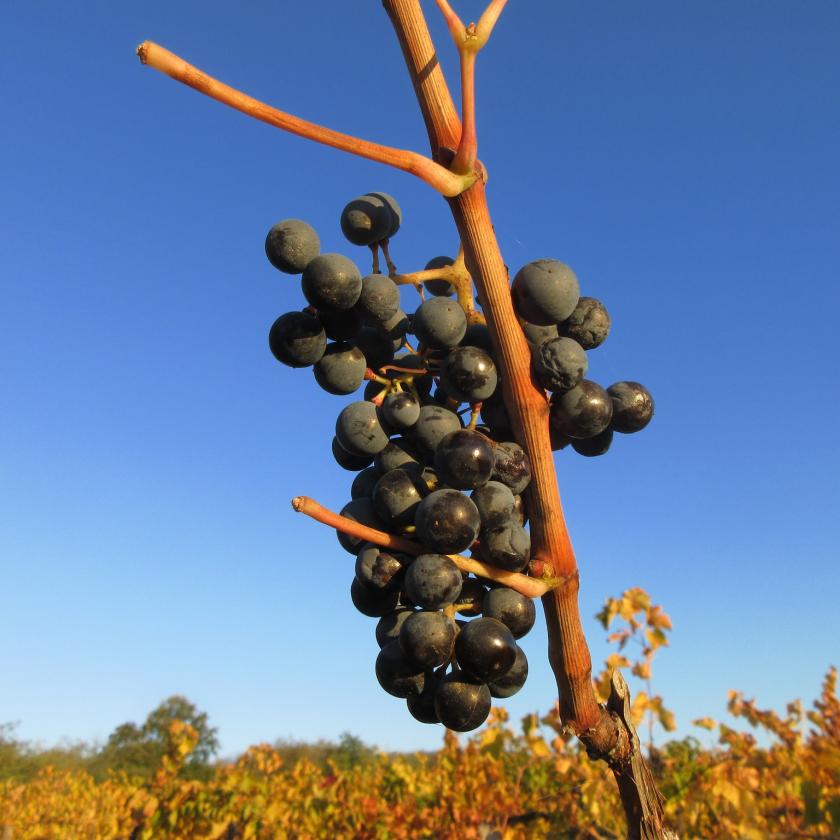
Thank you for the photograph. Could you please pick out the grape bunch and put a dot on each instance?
(435, 459)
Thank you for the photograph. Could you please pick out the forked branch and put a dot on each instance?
(445, 182)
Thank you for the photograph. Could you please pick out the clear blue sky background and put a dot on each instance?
(681, 157)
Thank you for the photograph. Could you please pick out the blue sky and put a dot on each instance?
(682, 158)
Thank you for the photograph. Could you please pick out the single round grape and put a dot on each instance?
(364, 483)
(341, 324)
(560, 363)
(377, 347)
(545, 292)
(508, 684)
(395, 329)
(349, 460)
(379, 569)
(495, 502)
(447, 521)
(433, 425)
(582, 412)
(359, 429)
(397, 495)
(291, 245)
(462, 702)
(341, 370)
(536, 334)
(394, 212)
(494, 413)
(464, 459)
(512, 608)
(632, 406)
(512, 466)
(507, 546)
(396, 674)
(471, 599)
(388, 627)
(366, 220)
(331, 281)
(469, 374)
(398, 453)
(359, 510)
(477, 335)
(372, 602)
(401, 409)
(432, 581)
(422, 706)
(594, 446)
(297, 339)
(439, 288)
(427, 638)
(439, 323)
(380, 298)
(485, 648)
(588, 325)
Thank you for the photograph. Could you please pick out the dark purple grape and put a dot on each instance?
(439, 288)
(291, 245)
(372, 602)
(447, 521)
(495, 502)
(477, 335)
(494, 413)
(341, 370)
(394, 212)
(588, 325)
(422, 706)
(377, 347)
(507, 546)
(512, 608)
(545, 292)
(485, 648)
(331, 281)
(559, 363)
(411, 361)
(379, 569)
(380, 298)
(512, 466)
(341, 324)
(632, 406)
(536, 334)
(433, 425)
(469, 374)
(464, 459)
(594, 446)
(364, 483)
(462, 702)
(297, 339)
(401, 409)
(508, 684)
(359, 429)
(349, 460)
(388, 627)
(397, 496)
(397, 453)
(395, 329)
(396, 674)
(432, 581)
(366, 220)
(439, 323)
(471, 599)
(359, 510)
(583, 412)
(427, 638)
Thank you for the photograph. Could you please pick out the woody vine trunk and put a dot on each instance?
(607, 733)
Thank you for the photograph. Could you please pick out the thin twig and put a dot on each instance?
(445, 182)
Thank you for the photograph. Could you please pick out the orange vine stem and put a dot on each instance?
(527, 586)
(445, 182)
